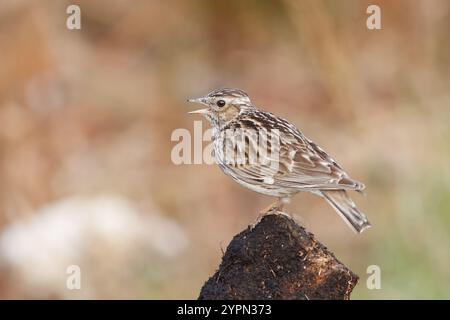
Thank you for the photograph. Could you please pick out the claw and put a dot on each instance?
(274, 208)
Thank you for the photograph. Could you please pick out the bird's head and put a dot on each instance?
(222, 105)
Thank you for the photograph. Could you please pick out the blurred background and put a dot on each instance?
(86, 118)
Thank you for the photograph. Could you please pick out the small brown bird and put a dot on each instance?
(269, 155)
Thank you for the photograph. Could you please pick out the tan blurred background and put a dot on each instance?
(86, 118)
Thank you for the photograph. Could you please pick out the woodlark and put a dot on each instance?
(269, 155)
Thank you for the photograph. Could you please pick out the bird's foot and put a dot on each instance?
(274, 208)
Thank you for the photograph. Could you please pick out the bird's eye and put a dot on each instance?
(220, 103)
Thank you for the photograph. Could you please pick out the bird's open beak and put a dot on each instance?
(200, 101)
(199, 111)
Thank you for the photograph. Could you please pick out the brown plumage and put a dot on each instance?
(269, 155)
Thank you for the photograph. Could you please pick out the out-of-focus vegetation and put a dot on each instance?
(86, 118)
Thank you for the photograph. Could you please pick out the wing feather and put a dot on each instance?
(295, 163)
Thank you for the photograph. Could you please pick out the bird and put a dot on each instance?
(269, 155)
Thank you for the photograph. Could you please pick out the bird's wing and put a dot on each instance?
(306, 164)
(291, 160)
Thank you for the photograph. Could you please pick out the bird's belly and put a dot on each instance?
(262, 187)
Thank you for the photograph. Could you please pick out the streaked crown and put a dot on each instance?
(229, 92)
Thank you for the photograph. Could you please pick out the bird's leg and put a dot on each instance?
(274, 208)
(277, 205)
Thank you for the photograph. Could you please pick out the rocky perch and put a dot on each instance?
(278, 259)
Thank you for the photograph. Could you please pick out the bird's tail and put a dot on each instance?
(347, 209)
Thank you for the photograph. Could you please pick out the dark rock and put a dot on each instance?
(278, 259)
